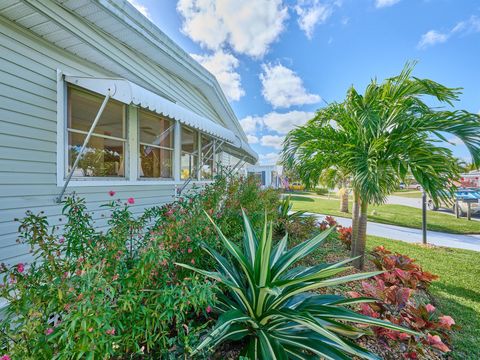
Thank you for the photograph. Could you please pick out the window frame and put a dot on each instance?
(132, 146)
(172, 128)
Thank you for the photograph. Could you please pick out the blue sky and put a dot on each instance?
(279, 61)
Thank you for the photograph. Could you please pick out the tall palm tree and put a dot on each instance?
(380, 136)
(333, 177)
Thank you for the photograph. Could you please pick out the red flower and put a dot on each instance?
(209, 309)
(430, 308)
(193, 261)
(446, 321)
(5, 357)
(61, 240)
(111, 193)
(131, 200)
(110, 331)
(48, 331)
(189, 251)
(20, 268)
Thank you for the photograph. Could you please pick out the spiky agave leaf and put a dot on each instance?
(269, 301)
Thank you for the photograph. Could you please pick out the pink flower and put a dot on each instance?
(48, 331)
(430, 308)
(209, 309)
(20, 268)
(193, 261)
(446, 321)
(188, 238)
(110, 332)
(189, 250)
(111, 193)
(5, 357)
(61, 240)
(90, 329)
(131, 200)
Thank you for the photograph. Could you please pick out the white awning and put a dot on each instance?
(130, 93)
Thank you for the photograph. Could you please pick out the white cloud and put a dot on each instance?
(251, 124)
(310, 13)
(282, 123)
(462, 28)
(223, 65)
(252, 139)
(248, 26)
(385, 3)
(142, 8)
(431, 38)
(268, 159)
(273, 141)
(282, 87)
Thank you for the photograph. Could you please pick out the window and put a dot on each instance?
(189, 161)
(104, 155)
(208, 157)
(156, 146)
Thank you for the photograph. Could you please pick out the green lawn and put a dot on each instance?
(457, 291)
(408, 193)
(391, 214)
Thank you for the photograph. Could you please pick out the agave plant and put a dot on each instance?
(285, 208)
(269, 302)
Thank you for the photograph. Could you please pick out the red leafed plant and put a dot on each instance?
(397, 291)
(345, 236)
(401, 269)
(328, 222)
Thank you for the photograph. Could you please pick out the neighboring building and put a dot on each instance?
(267, 175)
(166, 121)
(471, 179)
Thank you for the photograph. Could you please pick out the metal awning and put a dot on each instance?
(129, 93)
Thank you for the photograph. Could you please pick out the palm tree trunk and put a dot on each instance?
(355, 214)
(361, 236)
(344, 198)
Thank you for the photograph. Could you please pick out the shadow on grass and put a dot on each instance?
(459, 291)
(465, 342)
(301, 198)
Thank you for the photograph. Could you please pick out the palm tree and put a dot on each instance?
(336, 176)
(380, 136)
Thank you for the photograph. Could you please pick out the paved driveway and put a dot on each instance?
(468, 242)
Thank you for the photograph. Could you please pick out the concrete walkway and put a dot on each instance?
(468, 242)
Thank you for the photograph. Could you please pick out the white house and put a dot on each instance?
(161, 118)
(268, 175)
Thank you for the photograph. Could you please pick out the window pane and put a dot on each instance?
(102, 157)
(155, 130)
(189, 140)
(155, 162)
(83, 107)
(189, 166)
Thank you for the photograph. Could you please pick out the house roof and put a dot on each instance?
(62, 22)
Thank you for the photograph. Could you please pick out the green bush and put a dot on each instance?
(268, 303)
(321, 191)
(117, 293)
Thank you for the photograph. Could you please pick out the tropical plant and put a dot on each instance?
(268, 302)
(380, 136)
(333, 177)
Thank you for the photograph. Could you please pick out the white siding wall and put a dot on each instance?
(28, 126)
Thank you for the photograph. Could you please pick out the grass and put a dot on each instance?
(457, 291)
(391, 214)
(409, 194)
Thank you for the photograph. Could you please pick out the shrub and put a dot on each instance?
(400, 302)
(321, 191)
(268, 303)
(345, 236)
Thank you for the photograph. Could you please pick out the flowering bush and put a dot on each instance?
(90, 293)
(400, 302)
